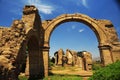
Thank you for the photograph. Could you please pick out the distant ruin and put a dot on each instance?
(82, 59)
(32, 33)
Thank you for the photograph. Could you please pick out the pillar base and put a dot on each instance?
(106, 54)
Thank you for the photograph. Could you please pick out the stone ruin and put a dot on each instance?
(72, 58)
(10, 40)
(58, 57)
(87, 60)
(30, 31)
(13, 43)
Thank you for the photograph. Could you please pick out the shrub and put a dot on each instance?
(110, 72)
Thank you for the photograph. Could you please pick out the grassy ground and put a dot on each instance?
(23, 78)
(63, 77)
(56, 77)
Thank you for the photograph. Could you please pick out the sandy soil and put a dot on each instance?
(71, 71)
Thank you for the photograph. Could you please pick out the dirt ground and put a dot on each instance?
(71, 71)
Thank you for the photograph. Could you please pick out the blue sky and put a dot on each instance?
(72, 35)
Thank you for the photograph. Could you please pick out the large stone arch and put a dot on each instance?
(103, 29)
(77, 18)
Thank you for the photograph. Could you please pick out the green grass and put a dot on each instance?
(23, 78)
(63, 77)
(56, 77)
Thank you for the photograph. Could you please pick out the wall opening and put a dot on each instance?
(32, 67)
(74, 36)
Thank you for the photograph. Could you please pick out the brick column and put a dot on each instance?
(45, 60)
(106, 54)
(116, 51)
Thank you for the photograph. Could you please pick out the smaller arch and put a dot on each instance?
(35, 57)
(32, 62)
(30, 58)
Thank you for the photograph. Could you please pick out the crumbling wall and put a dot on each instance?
(60, 55)
(69, 56)
(87, 59)
(10, 44)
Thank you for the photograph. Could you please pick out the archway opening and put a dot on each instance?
(73, 36)
(32, 65)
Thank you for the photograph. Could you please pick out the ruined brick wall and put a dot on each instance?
(109, 30)
(72, 58)
(11, 39)
(10, 44)
(69, 57)
(60, 55)
(87, 60)
(13, 42)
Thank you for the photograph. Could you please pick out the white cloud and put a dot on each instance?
(81, 30)
(84, 3)
(44, 8)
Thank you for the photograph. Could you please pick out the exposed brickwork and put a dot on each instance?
(10, 43)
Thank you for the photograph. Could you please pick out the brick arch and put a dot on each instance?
(99, 27)
(32, 57)
(92, 23)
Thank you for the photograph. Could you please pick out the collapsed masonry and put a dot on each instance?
(72, 58)
(10, 41)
